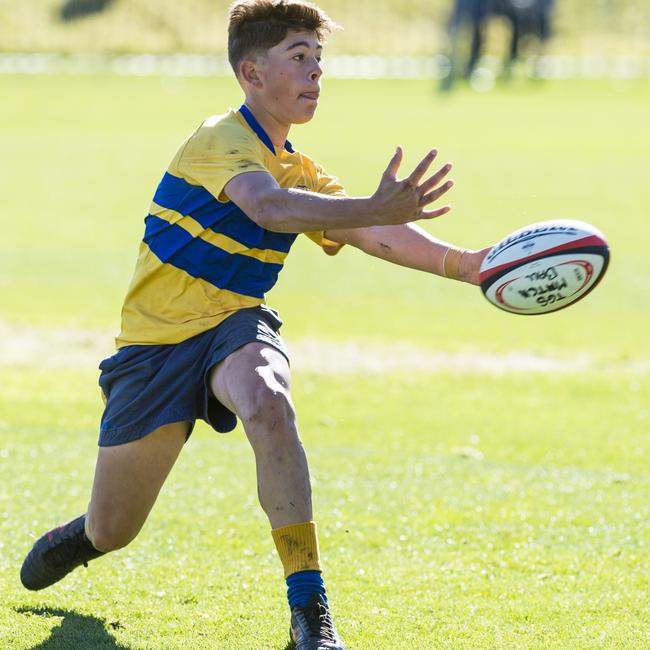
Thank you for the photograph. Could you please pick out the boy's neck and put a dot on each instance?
(277, 131)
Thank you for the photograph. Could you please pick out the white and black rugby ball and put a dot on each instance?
(544, 267)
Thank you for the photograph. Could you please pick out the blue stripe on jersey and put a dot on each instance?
(227, 219)
(239, 273)
(177, 194)
(236, 225)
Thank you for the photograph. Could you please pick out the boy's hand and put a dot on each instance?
(470, 265)
(397, 202)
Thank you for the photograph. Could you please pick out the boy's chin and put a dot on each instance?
(303, 117)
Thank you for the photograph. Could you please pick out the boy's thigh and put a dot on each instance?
(128, 478)
(255, 372)
(147, 386)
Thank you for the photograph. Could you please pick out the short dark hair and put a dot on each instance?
(255, 26)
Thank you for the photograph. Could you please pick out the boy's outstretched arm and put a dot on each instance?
(411, 246)
(394, 202)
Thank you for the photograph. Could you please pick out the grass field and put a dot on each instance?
(459, 506)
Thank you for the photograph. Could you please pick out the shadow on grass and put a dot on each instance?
(76, 631)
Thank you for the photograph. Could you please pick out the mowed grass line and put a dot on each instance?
(455, 512)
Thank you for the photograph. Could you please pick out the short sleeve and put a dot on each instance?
(214, 155)
(326, 184)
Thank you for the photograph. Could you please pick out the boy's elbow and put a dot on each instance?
(267, 210)
(262, 215)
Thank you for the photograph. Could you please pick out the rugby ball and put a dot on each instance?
(544, 267)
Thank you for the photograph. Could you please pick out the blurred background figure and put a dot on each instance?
(72, 9)
(525, 19)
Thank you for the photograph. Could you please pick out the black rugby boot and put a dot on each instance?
(57, 553)
(312, 627)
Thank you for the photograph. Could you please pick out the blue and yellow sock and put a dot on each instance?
(297, 546)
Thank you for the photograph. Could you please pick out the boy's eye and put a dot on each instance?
(302, 57)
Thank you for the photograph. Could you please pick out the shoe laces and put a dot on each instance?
(319, 621)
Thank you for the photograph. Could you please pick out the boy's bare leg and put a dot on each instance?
(254, 383)
(128, 479)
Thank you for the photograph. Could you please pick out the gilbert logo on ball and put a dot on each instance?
(544, 267)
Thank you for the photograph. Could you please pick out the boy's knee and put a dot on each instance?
(108, 536)
(269, 409)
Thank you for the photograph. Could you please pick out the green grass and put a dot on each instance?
(443, 529)
(456, 509)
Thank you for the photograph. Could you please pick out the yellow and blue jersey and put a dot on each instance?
(201, 258)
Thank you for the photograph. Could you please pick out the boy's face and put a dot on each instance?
(289, 77)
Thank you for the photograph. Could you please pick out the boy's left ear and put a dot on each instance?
(248, 72)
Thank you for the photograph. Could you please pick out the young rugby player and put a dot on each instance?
(197, 340)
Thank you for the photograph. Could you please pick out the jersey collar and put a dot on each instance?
(259, 131)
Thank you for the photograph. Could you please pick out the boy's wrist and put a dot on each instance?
(466, 271)
(374, 211)
(461, 264)
(450, 265)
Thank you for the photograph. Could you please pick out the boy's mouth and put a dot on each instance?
(312, 95)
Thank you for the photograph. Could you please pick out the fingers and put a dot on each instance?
(416, 175)
(410, 196)
(435, 179)
(432, 214)
(393, 165)
(436, 194)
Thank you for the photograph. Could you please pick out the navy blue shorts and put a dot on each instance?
(146, 386)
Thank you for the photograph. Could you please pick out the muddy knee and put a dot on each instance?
(270, 413)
